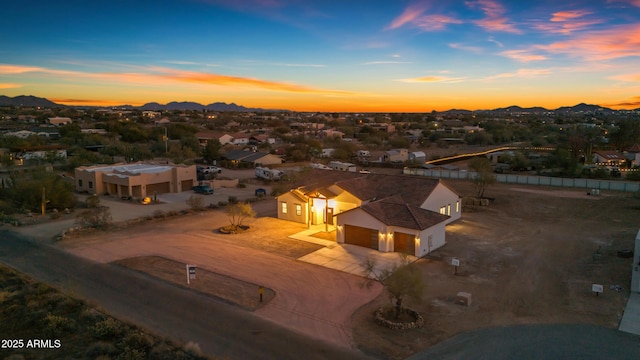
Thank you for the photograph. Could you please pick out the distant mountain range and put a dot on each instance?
(34, 101)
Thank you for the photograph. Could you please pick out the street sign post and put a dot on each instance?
(455, 262)
(191, 273)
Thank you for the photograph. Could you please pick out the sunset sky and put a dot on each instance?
(331, 55)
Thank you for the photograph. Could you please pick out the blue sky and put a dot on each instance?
(325, 55)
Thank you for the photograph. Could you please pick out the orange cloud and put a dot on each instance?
(494, 19)
(8, 69)
(561, 16)
(91, 102)
(225, 80)
(632, 103)
(433, 79)
(9, 86)
(627, 77)
(160, 76)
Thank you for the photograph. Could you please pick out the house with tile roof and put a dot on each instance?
(608, 158)
(388, 213)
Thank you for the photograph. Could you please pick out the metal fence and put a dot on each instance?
(532, 180)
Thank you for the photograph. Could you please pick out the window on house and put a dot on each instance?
(90, 184)
(80, 183)
(283, 207)
(298, 210)
(458, 206)
(449, 210)
(443, 210)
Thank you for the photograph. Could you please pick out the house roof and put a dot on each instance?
(610, 155)
(394, 212)
(412, 190)
(244, 155)
(634, 149)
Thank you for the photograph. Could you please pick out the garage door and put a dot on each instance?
(160, 188)
(356, 235)
(187, 185)
(404, 243)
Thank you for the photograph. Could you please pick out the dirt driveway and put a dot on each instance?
(529, 258)
(310, 299)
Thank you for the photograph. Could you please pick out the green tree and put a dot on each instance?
(401, 281)
(211, 151)
(484, 174)
(238, 213)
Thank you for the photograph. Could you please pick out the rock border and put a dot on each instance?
(418, 323)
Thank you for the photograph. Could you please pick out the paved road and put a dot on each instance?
(533, 342)
(220, 329)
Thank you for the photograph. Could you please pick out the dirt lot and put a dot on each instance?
(530, 257)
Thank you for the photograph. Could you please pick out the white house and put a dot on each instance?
(384, 212)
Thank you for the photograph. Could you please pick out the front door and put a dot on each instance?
(330, 216)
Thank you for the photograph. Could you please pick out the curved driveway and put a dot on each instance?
(220, 329)
(309, 299)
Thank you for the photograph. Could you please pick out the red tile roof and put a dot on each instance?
(394, 212)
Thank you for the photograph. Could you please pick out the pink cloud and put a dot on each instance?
(523, 55)
(414, 15)
(18, 69)
(566, 22)
(521, 73)
(615, 42)
(494, 19)
(409, 15)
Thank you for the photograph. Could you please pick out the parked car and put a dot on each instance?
(209, 169)
(203, 189)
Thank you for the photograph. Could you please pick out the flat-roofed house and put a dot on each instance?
(136, 180)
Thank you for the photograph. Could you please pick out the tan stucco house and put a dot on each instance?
(136, 180)
(384, 212)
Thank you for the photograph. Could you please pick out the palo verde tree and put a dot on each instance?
(401, 281)
(484, 174)
(238, 213)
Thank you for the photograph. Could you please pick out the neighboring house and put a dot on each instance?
(163, 121)
(240, 139)
(39, 153)
(205, 136)
(633, 155)
(608, 158)
(22, 134)
(136, 180)
(383, 212)
(255, 158)
(417, 156)
(396, 155)
(58, 121)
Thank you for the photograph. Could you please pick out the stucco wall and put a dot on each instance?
(443, 196)
(291, 215)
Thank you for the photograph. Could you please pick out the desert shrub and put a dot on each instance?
(108, 328)
(131, 353)
(193, 348)
(55, 325)
(95, 218)
(138, 340)
(55, 214)
(90, 315)
(242, 185)
(158, 214)
(92, 201)
(100, 348)
(233, 199)
(222, 203)
(195, 203)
